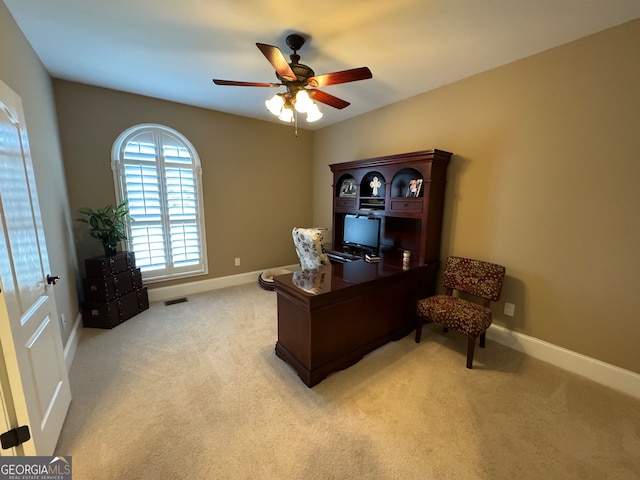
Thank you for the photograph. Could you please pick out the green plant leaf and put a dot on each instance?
(108, 224)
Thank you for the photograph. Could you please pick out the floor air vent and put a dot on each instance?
(177, 300)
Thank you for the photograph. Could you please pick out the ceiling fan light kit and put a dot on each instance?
(285, 106)
(296, 77)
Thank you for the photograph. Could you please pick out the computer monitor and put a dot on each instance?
(361, 232)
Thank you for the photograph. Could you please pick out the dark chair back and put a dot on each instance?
(482, 279)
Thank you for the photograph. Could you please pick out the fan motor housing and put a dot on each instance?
(301, 71)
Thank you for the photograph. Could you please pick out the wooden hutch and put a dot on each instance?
(409, 200)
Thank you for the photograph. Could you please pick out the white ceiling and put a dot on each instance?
(171, 49)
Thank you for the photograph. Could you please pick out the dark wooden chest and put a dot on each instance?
(109, 288)
(101, 267)
(115, 312)
(113, 291)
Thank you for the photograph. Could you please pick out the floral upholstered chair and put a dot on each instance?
(308, 243)
(480, 279)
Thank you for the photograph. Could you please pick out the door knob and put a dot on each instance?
(51, 280)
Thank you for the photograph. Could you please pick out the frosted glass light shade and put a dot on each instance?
(313, 113)
(275, 104)
(286, 115)
(303, 102)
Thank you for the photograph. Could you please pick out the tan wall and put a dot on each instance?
(23, 72)
(544, 181)
(256, 175)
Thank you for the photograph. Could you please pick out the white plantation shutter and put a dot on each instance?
(158, 171)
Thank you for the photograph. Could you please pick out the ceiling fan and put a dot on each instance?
(298, 77)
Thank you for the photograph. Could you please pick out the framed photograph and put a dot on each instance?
(348, 187)
(415, 186)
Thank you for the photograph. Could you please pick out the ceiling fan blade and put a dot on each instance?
(275, 57)
(233, 83)
(344, 76)
(327, 99)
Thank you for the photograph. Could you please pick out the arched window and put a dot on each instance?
(158, 171)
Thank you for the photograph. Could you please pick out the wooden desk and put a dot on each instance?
(350, 310)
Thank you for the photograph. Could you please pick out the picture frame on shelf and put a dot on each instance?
(348, 187)
(415, 186)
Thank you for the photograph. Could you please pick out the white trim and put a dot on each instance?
(596, 370)
(177, 291)
(71, 346)
(118, 168)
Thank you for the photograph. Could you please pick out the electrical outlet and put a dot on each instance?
(63, 319)
(237, 262)
(509, 309)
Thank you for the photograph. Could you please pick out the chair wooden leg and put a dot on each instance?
(471, 345)
(419, 329)
(482, 335)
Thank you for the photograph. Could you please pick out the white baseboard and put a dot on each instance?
(71, 346)
(177, 291)
(596, 370)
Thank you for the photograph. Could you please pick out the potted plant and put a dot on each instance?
(108, 224)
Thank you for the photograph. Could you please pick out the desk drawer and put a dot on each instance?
(342, 203)
(413, 205)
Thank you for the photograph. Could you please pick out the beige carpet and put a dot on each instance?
(195, 391)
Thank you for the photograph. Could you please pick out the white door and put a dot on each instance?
(30, 340)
